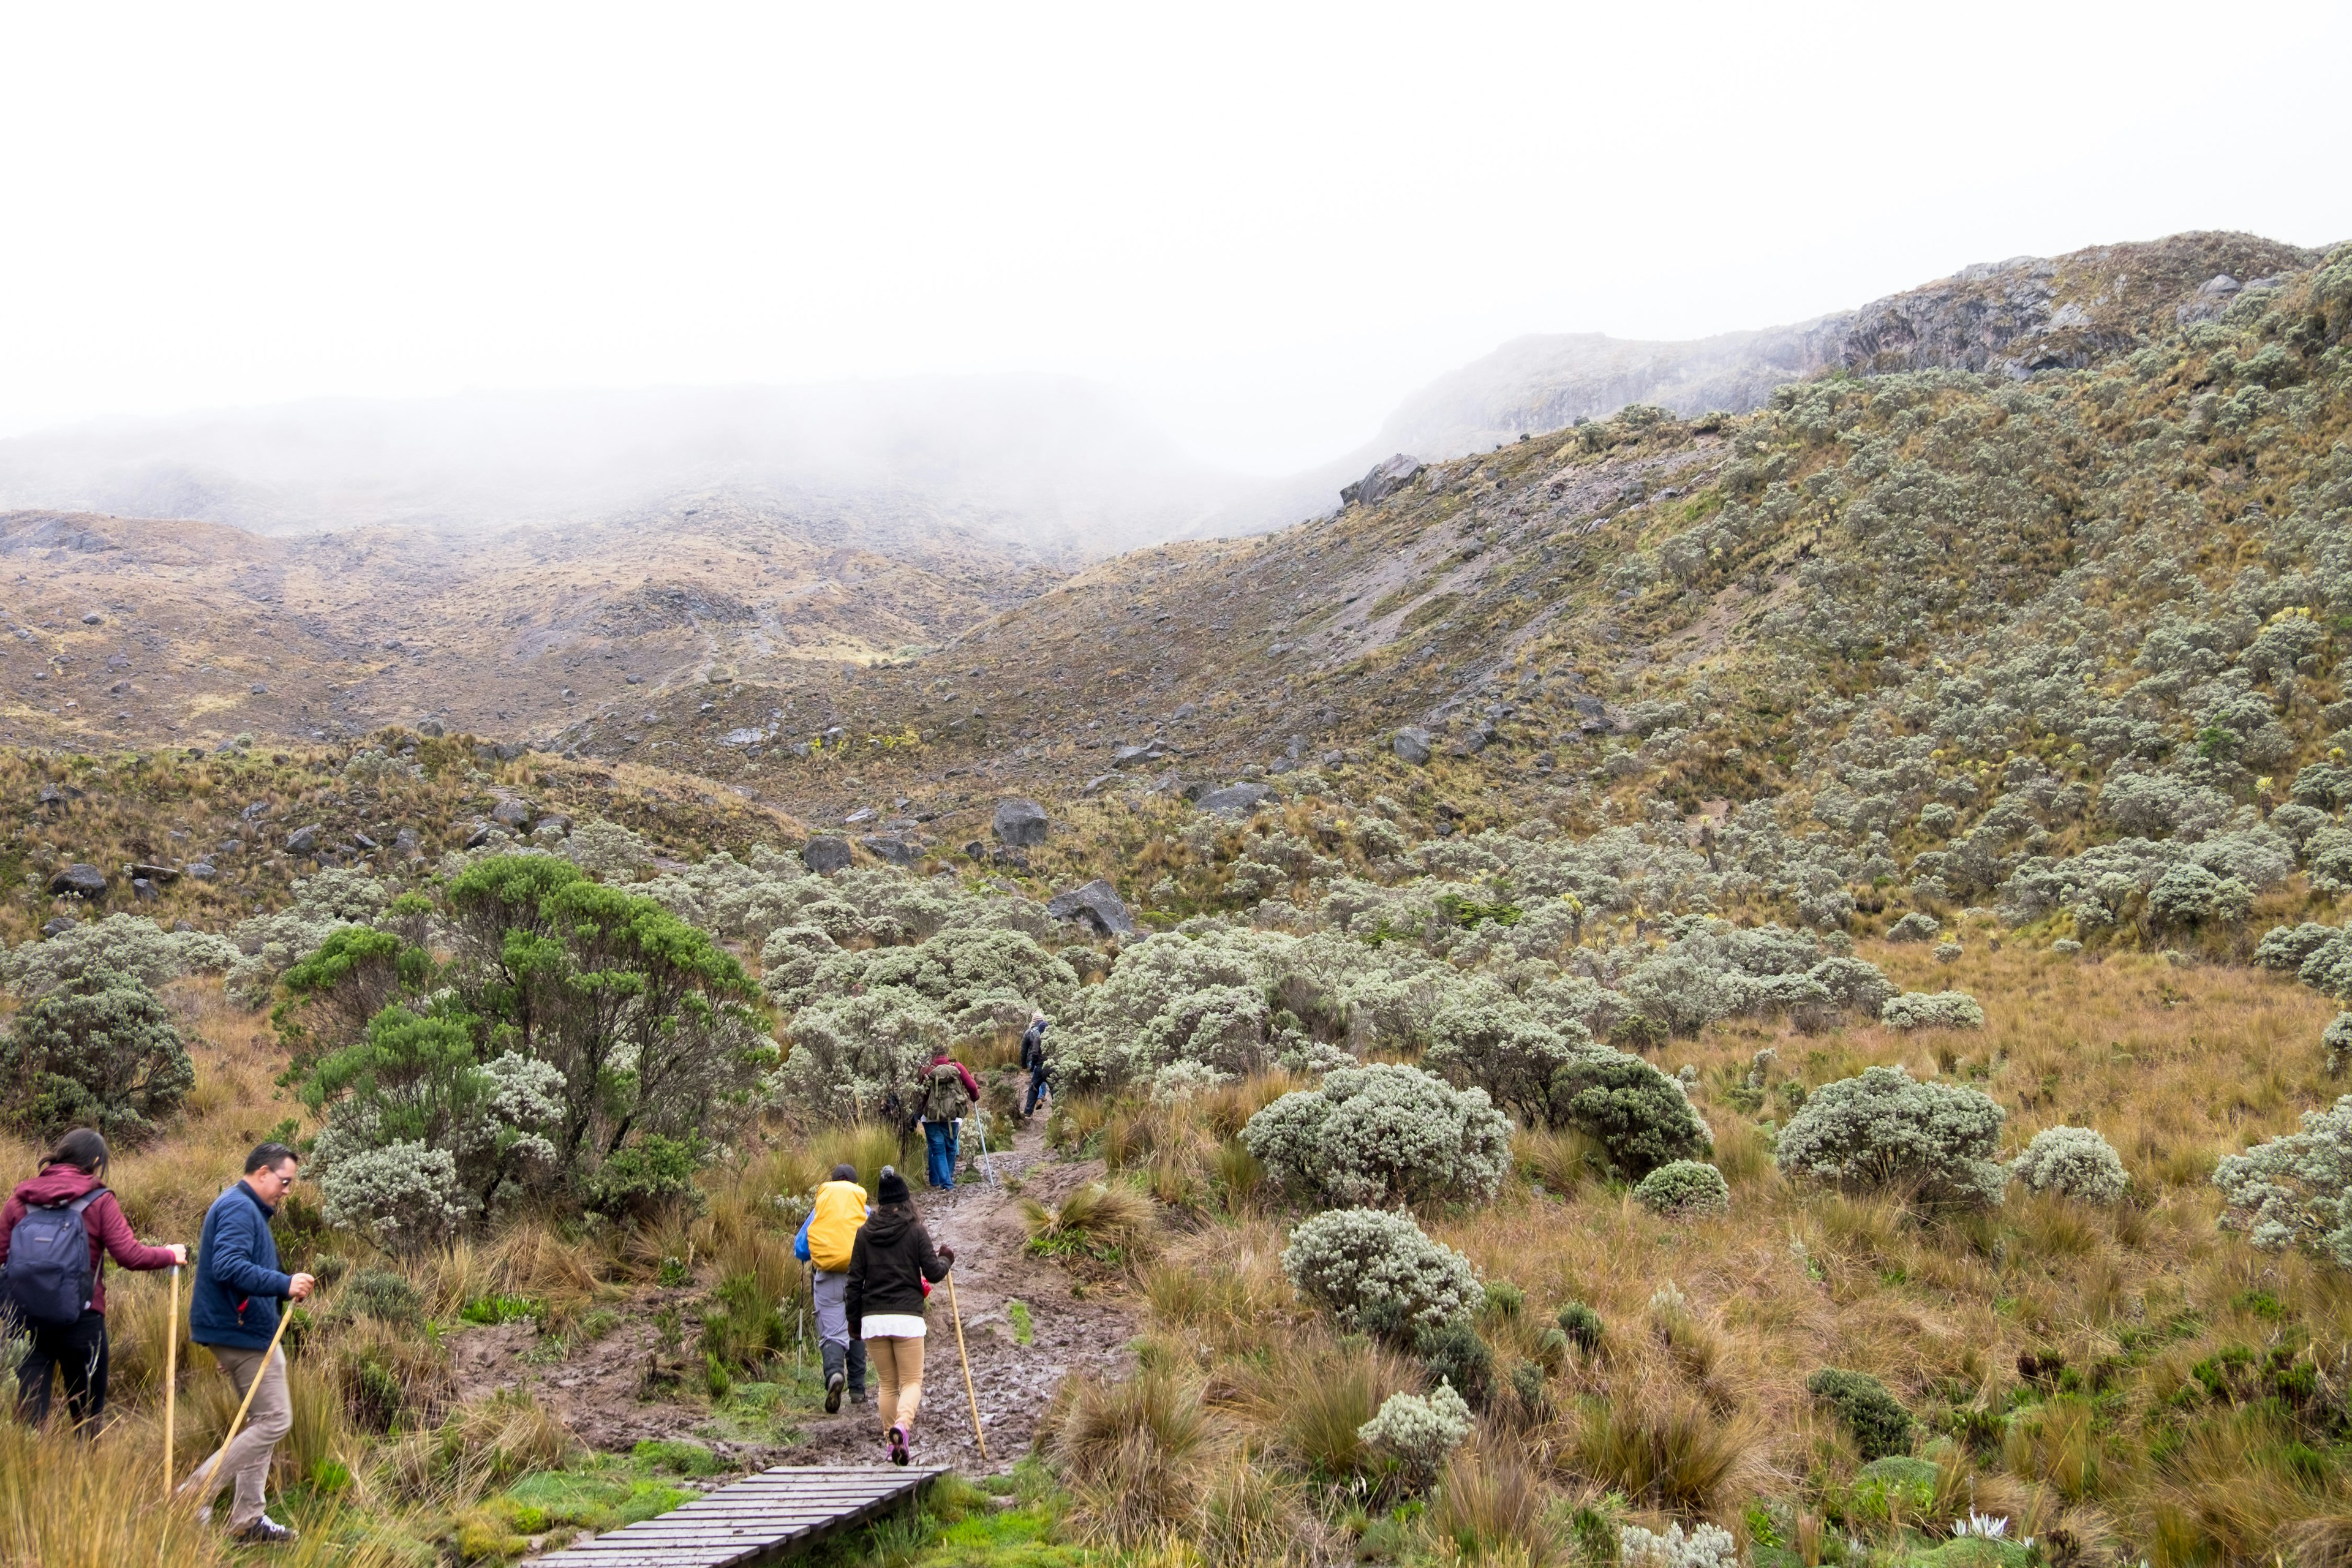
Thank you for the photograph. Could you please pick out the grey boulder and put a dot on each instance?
(1020, 824)
(826, 853)
(79, 880)
(511, 813)
(303, 840)
(890, 848)
(1241, 798)
(1385, 479)
(1141, 757)
(1412, 744)
(1097, 905)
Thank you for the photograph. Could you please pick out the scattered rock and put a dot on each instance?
(863, 814)
(1101, 782)
(1412, 744)
(203, 872)
(157, 874)
(480, 835)
(511, 813)
(1097, 905)
(58, 925)
(826, 853)
(1141, 757)
(258, 689)
(431, 729)
(1384, 478)
(1020, 824)
(93, 619)
(51, 795)
(79, 880)
(1240, 799)
(890, 848)
(742, 737)
(1184, 711)
(141, 888)
(408, 843)
(557, 820)
(304, 840)
(364, 842)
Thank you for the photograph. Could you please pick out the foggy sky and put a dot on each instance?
(1267, 224)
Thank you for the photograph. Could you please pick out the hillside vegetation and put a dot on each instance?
(1773, 991)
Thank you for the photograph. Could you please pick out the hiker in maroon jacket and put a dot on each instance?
(76, 1349)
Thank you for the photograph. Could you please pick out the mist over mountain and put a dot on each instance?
(1050, 462)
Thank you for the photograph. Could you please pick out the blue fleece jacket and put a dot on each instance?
(238, 1281)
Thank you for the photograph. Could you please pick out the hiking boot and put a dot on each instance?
(833, 1383)
(897, 1445)
(264, 1532)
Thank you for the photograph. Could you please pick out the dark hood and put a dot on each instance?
(888, 1224)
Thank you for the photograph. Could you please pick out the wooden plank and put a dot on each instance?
(756, 1521)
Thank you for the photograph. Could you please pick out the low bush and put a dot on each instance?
(2295, 1190)
(650, 1175)
(1916, 926)
(1887, 1131)
(1418, 1431)
(1932, 1010)
(1583, 1326)
(1707, 1546)
(1457, 1357)
(100, 1049)
(1639, 1114)
(1351, 1260)
(2337, 1038)
(1862, 1405)
(1683, 1189)
(400, 1195)
(1377, 1136)
(2074, 1162)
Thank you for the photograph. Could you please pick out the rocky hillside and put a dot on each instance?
(121, 629)
(1931, 629)
(2027, 314)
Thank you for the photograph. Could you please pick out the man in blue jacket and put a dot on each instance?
(235, 1314)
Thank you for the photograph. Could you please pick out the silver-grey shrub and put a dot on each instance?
(2297, 1189)
(851, 1054)
(1347, 1260)
(1683, 1189)
(1420, 1431)
(2074, 1162)
(402, 1195)
(1932, 1010)
(1382, 1136)
(1887, 1131)
(1916, 926)
(128, 944)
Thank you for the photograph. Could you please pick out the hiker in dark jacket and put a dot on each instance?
(235, 1314)
(1032, 1057)
(948, 1091)
(889, 1267)
(70, 1181)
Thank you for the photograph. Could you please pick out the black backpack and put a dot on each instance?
(47, 1277)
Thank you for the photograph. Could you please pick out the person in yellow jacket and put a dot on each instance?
(825, 1241)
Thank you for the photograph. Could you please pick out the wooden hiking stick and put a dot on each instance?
(170, 1381)
(965, 1357)
(211, 1471)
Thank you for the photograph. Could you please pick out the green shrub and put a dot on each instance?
(1862, 1404)
(1454, 1353)
(647, 1176)
(1639, 1114)
(381, 1294)
(99, 1050)
(1583, 1326)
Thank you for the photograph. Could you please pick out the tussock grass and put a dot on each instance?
(1103, 1222)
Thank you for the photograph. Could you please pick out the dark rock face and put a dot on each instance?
(1411, 744)
(203, 872)
(58, 925)
(79, 880)
(304, 840)
(1141, 757)
(1386, 478)
(407, 844)
(511, 813)
(479, 837)
(1241, 798)
(1020, 824)
(1097, 905)
(142, 887)
(431, 729)
(826, 853)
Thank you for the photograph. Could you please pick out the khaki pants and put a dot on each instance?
(246, 1461)
(898, 1366)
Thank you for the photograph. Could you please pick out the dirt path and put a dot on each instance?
(599, 1389)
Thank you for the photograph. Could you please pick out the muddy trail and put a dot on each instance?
(613, 1391)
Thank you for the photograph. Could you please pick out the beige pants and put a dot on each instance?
(898, 1366)
(246, 1461)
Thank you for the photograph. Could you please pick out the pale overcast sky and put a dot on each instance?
(1267, 221)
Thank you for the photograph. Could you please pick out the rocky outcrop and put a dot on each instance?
(1097, 905)
(1387, 476)
(826, 853)
(1020, 824)
(79, 880)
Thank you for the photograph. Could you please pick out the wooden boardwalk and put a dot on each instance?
(754, 1521)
